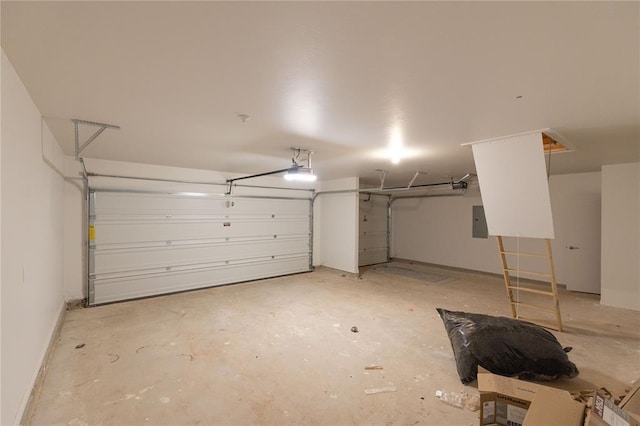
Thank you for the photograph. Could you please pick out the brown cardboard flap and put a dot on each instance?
(549, 406)
(611, 414)
(631, 402)
(554, 407)
(507, 386)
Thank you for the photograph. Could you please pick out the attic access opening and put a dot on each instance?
(551, 145)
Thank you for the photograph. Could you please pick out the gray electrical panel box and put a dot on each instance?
(479, 225)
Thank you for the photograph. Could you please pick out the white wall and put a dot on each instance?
(1, 281)
(621, 235)
(439, 229)
(32, 233)
(565, 192)
(336, 226)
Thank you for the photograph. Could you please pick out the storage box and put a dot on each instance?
(631, 402)
(511, 402)
(605, 413)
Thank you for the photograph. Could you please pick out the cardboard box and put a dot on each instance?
(511, 402)
(631, 402)
(605, 413)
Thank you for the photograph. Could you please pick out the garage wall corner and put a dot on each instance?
(621, 236)
(336, 225)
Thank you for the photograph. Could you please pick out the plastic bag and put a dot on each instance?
(505, 346)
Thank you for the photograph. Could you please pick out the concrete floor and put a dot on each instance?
(281, 351)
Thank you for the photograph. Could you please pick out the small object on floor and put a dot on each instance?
(374, 391)
(80, 346)
(374, 367)
(354, 329)
(460, 400)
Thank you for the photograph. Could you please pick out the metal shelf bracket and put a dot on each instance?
(101, 128)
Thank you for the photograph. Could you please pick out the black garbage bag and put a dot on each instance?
(505, 346)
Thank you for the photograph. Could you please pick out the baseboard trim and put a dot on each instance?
(76, 304)
(472, 271)
(25, 413)
(337, 271)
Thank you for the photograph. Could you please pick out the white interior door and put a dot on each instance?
(144, 244)
(373, 230)
(583, 243)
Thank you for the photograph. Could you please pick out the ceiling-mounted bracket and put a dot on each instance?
(453, 184)
(383, 175)
(415, 176)
(296, 157)
(465, 178)
(101, 128)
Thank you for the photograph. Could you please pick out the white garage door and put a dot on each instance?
(374, 238)
(143, 244)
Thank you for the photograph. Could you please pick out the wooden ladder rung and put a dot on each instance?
(516, 253)
(542, 274)
(513, 304)
(531, 290)
(530, 306)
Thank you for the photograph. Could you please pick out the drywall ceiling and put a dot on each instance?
(342, 78)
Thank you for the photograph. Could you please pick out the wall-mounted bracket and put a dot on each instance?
(101, 128)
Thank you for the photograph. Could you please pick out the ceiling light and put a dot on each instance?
(395, 145)
(396, 151)
(301, 174)
(300, 170)
(191, 194)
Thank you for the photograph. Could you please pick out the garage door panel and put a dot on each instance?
(202, 266)
(135, 258)
(373, 225)
(135, 203)
(146, 244)
(162, 217)
(111, 290)
(131, 232)
(373, 241)
(372, 256)
(373, 230)
(118, 203)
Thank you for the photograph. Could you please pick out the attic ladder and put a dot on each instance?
(548, 275)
